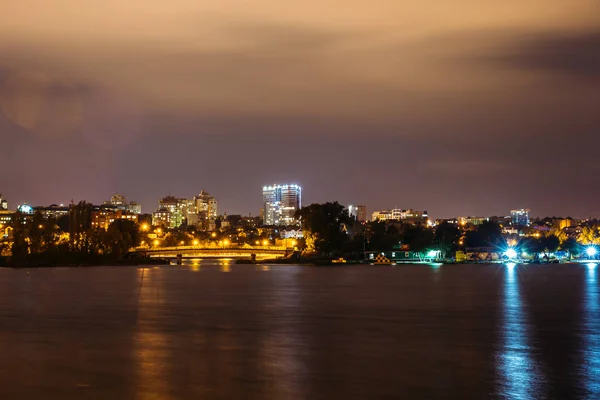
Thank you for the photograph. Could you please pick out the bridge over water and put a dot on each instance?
(241, 252)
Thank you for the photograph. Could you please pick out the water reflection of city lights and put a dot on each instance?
(225, 265)
(520, 375)
(591, 337)
(436, 266)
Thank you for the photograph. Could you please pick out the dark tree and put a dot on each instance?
(381, 236)
(487, 234)
(121, 236)
(80, 225)
(323, 225)
(571, 246)
(550, 243)
(417, 237)
(446, 238)
(531, 245)
(20, 246)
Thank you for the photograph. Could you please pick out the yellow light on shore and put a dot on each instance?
(156, 242)
(181, 243)
(213, 234)
(226, 242)
(195, 242)
(41, 226)
(159, 231)
(257, 243)
(265, 242)
(294, 242)
(145, 227)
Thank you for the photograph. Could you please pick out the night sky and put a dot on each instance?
(463, 107)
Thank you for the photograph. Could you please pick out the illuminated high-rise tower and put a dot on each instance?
(280, 203)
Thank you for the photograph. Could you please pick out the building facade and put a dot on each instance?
(472, 220)
(161, 217)
(53, 211)
(120, 202)
(205, 207)
(359, 212)
(103, 217)
(397, 214)
(280, 203)
(177, 208)
(6, 218)
(520, 217)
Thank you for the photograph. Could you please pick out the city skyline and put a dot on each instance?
(370, 215)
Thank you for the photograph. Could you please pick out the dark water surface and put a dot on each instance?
(219, 331)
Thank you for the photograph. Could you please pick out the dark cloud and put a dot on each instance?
(359, 111)
(568, 55)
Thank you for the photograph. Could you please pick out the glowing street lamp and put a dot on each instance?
(225, 242)
(265, 242)
(511, 253)
(156, 243)
(145, 227)
(195, 242)
(591, 251)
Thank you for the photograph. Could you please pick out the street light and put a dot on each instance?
(265, 242)
(226, 242)
(591, 251)
(195, 242)
(511, 253)
(145, 227)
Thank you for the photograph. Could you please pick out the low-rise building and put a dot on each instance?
(103, 217)
(520, 217)
(161, 217)
(397, 214)
(6, 217)
(472, 220)
(53, 211)
(359, 212)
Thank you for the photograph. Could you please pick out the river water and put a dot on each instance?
(214, 330)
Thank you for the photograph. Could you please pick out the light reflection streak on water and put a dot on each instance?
(149, 347)
(592, 333)
(283, 344)
(520, 377)
(225, 265)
